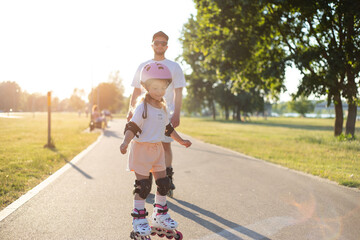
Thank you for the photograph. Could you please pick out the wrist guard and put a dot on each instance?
(169, 129)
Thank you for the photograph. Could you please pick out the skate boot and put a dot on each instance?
(163, 225)
(141, 227)
(170, 173)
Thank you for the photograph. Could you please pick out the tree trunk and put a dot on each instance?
(226, 112)
(339, 117)
(238, 114)
(213, 110)
(352, 88)
(351, 119)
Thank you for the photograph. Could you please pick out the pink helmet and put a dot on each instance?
(155, 70)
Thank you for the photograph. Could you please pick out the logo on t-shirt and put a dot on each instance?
(160, 116)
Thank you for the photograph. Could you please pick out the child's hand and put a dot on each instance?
(186, 143)
(123, 148)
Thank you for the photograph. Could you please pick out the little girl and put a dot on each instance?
(150, 123)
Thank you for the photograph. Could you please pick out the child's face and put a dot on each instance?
(157, 88)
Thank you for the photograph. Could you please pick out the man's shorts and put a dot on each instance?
(146, 157)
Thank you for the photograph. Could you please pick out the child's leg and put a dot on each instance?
(160, 217)
(143, 187)
(163, 181)
(140, 223)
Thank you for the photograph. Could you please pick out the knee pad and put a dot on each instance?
(169, 172)
(163, 185)
(143, 187)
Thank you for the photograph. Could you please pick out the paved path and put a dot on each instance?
(220, 195)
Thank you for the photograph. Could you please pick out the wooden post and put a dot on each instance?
(49, 143)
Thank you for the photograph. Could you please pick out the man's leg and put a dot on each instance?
(168, 154)
(168, 162)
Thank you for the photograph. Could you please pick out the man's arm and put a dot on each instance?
(175, 120)
(136, 93)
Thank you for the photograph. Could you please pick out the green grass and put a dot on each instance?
(303, 144)
(24, 162)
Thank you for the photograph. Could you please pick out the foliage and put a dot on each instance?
(14, 99)
(249, 43)
(9, 96)
(76, 101)
(322, 39)
(301, 106)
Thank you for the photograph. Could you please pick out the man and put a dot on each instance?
(173, 94)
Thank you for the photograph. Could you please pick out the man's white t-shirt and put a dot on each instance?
(153, 126)
(178, 81)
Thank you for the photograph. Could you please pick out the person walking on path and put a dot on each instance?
(173, 95)
(150, 123)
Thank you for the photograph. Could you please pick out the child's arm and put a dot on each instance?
(129, 135)
(174, 135)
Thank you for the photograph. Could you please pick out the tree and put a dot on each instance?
(10, 96)
(109, 95)
(222, 46)
(322, 38)
(76, 101)
(301, 106)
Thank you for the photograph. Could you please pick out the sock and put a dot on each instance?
(161, 200)
(139, 204)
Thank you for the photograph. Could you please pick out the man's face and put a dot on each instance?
(159, 45)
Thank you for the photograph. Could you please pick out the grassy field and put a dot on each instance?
(24, 162)
(303, 144)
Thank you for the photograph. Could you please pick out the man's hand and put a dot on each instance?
(129, 116)
(186, 143)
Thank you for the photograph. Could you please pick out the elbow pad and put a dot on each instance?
(132, 127)
(169, 129)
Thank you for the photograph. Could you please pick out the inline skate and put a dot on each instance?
(163, 225)
(141, 228)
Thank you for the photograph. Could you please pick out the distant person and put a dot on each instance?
(107, 113)
(173, 95)
(150, 123)
(97, 117)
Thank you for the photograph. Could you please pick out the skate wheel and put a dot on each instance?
(161, 235)
(170, 193)
(153, 233)
(169, 237)
(178, 236)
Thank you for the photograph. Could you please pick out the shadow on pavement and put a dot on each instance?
(109, 133)
(79, 170)
(194, 216)
(207, 151)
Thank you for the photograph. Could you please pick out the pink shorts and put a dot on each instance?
(146, 157)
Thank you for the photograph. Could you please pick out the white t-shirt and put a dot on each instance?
(178, 81)
(153, 127)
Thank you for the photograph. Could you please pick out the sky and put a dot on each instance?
(61, 45)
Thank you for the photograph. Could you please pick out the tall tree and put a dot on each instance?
(76, 101)
(323, 40)
(109, 95)
(10, 96)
